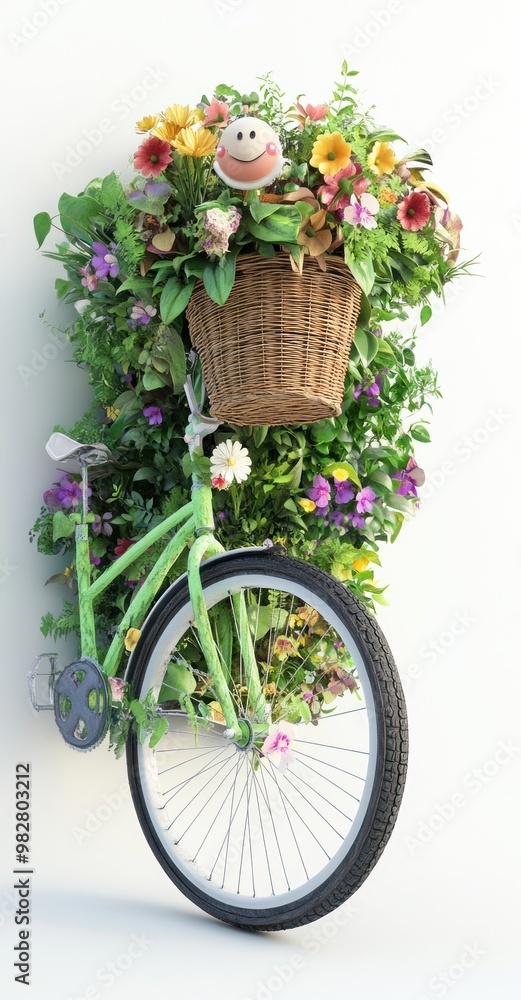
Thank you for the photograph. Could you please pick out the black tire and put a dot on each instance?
(389, 753)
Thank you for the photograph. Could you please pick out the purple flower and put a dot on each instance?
(65, 494)
(222, 515)
(344, 492)
(320, 492)
(104, 262)
(364, 500)
(356, 520)
(411, 477)
(337, 518)
(154, 414)
(94, 559)
(101, 526)
(357, 390)
(142, 313)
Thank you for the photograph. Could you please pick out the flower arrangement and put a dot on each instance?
(331, 491)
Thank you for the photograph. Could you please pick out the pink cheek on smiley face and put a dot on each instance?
(271, 148)
(220, 151)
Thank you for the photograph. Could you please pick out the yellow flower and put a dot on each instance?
(387, 197)
(112, 412)
(191, 142)
(168, 131)
(147, 123)
(308, 614)
(340, 475)
(308, 505)
(270, 688)
(280, 541)
(131, 638)
(360, 564)
(416, 178)
(68, 570)
(381, 159)
(284, 647)
(182, 115)
(216, 712)
(330, 153)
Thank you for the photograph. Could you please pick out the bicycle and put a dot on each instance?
(276, 784)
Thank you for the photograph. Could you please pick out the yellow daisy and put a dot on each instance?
(147, 123)
(381, 159)
(197, 143)
(168, 131)
(182, 115)
(330, 153)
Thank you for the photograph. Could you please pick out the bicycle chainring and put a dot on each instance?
(82, 704)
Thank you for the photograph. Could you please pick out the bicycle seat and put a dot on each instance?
(61, 448)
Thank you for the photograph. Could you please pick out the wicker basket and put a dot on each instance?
(277, 351)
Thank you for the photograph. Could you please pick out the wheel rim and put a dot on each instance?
(235, 826)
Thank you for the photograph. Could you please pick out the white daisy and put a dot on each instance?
(230, 461)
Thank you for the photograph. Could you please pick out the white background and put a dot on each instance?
(438, 915)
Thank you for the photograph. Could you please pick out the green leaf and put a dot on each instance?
(175, 298)
(361, 268)
(174, 349)
(365, 309)
(264, 618)
(397, 502)
(425, 315)
(62, 526)
(367, 346)
(178, 680)
(262, 209)
(419, 433)
(281, 226)
(146, 473)
(79, 215)
(384, 135)
(219, 278)
(158, 731)
(347, 468)
(42, 227)
(62, 287)
(408, 356)
(138, 711)
(152, 380)
(383, 479)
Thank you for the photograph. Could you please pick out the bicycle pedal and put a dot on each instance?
(42, 682)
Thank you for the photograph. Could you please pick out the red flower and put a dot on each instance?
(152, 157)
(414, 211)
(122, 545)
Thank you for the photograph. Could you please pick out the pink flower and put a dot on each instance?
(90, 278)
(152, 157)
(310, 113)
(277, 743)
(414, 211)
(142, 313)
(117, 686)
(361, 213)
(340, 187)
(219, 482)
(216, 112)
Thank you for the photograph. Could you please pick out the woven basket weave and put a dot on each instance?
(277, 351)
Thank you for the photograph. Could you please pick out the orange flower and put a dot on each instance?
(330, 153)
(387, 197)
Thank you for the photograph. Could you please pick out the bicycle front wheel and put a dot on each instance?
(280, 831)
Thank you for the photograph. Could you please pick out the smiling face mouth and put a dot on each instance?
(237, 160)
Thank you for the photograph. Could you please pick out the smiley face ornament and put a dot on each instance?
(249, 155)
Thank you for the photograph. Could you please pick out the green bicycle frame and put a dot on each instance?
(196, 532)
